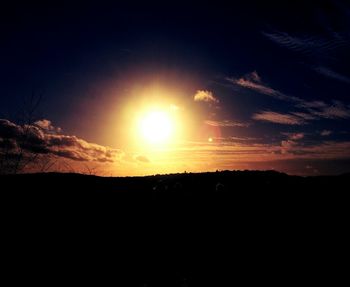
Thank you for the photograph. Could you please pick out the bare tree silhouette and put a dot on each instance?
(18, 153)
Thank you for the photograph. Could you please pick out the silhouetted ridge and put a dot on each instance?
(177, 229)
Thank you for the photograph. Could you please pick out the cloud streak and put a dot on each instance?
(278, 118)
(325, 133)
(46, 125)
(315, 47)
(226, 123)
(319, 109)
(253, 82)
(293, 147)
(291, 142)
(306, 44)
(310, 110)
(332, 74)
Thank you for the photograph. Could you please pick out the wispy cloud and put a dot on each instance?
(335, 111)
(296, 136)
(253, 81)
(278, 118)
(205, 96)
(287, 146)
(234, 139)
(47, 126)
(226, 123)
(332, 74)
(322, 150)
(305, 116)
(310, 110)
(287, 149)
(291, 142)
(306, 44)
(312, 104)
(316, 48)
(313, 111)
(325, 133)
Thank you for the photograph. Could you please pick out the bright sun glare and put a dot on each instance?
(156, 127)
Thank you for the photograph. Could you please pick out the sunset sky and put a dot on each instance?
(148, 89)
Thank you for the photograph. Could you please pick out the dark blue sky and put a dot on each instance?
(282, 70)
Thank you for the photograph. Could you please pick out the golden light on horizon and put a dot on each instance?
(157, 123)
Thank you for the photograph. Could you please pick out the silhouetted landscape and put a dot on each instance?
(178, 229)
(259, 187)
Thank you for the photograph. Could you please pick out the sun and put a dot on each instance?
(156, 126)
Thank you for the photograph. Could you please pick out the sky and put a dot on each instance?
(142, 89)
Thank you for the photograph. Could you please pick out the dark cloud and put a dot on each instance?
(9, 129)
(47, 125)
(43, 138)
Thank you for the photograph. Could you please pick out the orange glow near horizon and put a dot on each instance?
(161, 129)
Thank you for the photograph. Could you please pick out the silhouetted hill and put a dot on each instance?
(172, 230)
(244, 192)
(231, 181)
(254, 186)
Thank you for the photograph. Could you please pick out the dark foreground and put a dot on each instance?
(210, 229)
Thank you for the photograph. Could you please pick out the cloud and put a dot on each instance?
(253, 82)
(246, 151)
(315, 110)
(9, 129)
(43, 140)
(306, 44)
(335, 111)
(312, 104)
(291, 142)
(29, 138)
(332, 74)
(321, 150)
(47, 126)
(320, 109)
(79, 149)
(311, 110)
(287, 146)
(226, 123)
(305, 116)
(235, 139)
(254, 76)
(205, 96)
(142, 158)
(325, 133)
(278, 118)
(296, 136)
(320, 106)
(314, 47)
